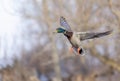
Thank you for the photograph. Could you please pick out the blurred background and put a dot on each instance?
(29, 51)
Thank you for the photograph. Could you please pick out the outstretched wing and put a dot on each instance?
(90, 35)
(64, 24)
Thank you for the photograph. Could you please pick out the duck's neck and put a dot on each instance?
(68, 34)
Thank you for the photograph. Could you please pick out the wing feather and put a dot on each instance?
(64, 24)
(90, 35)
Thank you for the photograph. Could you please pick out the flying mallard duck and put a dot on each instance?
(75, 38)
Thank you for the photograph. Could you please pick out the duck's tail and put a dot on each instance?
(79, 51)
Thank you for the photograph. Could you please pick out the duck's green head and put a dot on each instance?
(60, 30)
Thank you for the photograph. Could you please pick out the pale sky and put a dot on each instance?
(8, 27)
(14, 34)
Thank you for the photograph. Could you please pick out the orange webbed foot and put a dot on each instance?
(78, 50)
